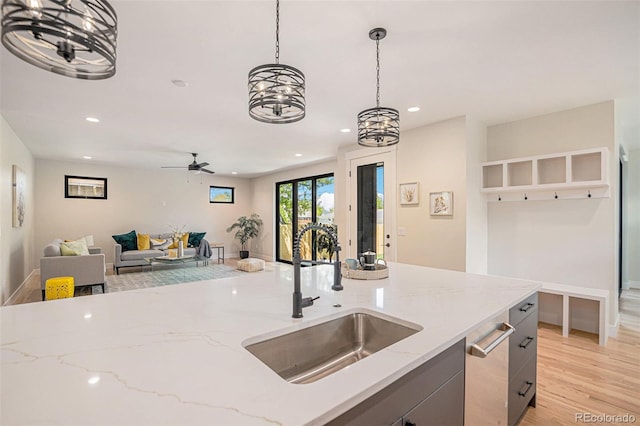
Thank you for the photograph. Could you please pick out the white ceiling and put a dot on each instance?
(496, 61)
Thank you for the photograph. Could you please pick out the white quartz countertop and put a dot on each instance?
(174, 355)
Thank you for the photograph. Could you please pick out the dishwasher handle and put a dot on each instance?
(483, 352)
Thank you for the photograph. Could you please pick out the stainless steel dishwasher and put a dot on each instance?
(487, 373)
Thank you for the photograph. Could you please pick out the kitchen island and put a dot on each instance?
(174, 355)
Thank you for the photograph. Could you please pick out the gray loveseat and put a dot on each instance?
(87, 270)
(122, 259)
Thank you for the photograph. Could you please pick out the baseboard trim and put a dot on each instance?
(613, 329)
(11, 298)
(634, 284)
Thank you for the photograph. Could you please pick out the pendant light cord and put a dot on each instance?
(277, 31)
(378, 71)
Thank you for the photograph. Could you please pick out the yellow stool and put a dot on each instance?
(59, 288)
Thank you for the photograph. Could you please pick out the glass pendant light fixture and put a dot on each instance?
(379, 126)
(276, 91)
(75, 38)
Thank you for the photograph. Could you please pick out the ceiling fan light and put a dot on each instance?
(74, 38)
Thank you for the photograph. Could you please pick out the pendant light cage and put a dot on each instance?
(276, 94)
(276, 91)
(74, 38)
(379, 126)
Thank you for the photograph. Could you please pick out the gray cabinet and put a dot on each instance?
(432, 394)
(523, 350)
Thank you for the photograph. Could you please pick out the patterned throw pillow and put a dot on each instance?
(74, 248)
(195, 238)
(128, 241)
(159, 244)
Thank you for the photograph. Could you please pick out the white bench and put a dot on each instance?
(568, 291)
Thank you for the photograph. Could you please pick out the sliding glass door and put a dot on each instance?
(300, 202)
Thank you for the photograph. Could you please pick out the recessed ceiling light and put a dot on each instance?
(298, 155)
(87, 157)
(345, 130)
(92, 119)
(413, 109)
(234, 173)
(180, 83)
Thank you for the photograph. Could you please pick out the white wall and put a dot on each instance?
(632, 234)
(16, 244)
(564, 241)
(264, 199)
(436, 157)
(476, 244)
(149, 201)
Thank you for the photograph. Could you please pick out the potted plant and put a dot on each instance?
(246, 228)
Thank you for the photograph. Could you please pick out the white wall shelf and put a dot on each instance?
(575, 174)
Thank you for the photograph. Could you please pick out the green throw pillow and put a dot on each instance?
(195, 238)
(128, 241)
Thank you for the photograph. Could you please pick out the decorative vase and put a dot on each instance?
(180, 249)
(244, 254)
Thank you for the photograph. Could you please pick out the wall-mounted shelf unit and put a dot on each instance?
(575, 174)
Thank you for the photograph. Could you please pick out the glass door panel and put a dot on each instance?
(371, 219)
(324, 210)
(285, 222)
(304, 216)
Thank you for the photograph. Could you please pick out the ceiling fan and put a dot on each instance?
(193, 167)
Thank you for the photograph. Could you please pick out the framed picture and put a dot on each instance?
(409, 193)
(85, 187)
(19, 195)
(221, 194)
(441, 203)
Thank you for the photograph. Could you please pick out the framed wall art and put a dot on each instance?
(409, 193)
(19, 195)
(221, 194)
(441, 203)
(91, 188)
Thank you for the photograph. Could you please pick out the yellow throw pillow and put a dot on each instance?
(185, 241)
(143, 242)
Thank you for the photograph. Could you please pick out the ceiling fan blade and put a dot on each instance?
(207, 171)
(205, 164)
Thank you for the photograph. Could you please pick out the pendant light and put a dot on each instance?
(74, 38)
(276, 91)
(379, 126)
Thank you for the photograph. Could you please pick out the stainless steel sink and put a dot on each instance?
(309, 354)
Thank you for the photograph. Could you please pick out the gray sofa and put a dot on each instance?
(122, 259)
(87, 270)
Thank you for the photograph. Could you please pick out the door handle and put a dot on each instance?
(483, 352)
(387, 245)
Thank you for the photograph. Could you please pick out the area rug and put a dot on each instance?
(169, 276)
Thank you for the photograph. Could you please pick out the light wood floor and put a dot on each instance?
(575, 374)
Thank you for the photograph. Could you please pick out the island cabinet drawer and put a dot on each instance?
(523, 309)
(523, 344)
(522, 391)
(445, 407)
(389, 405)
